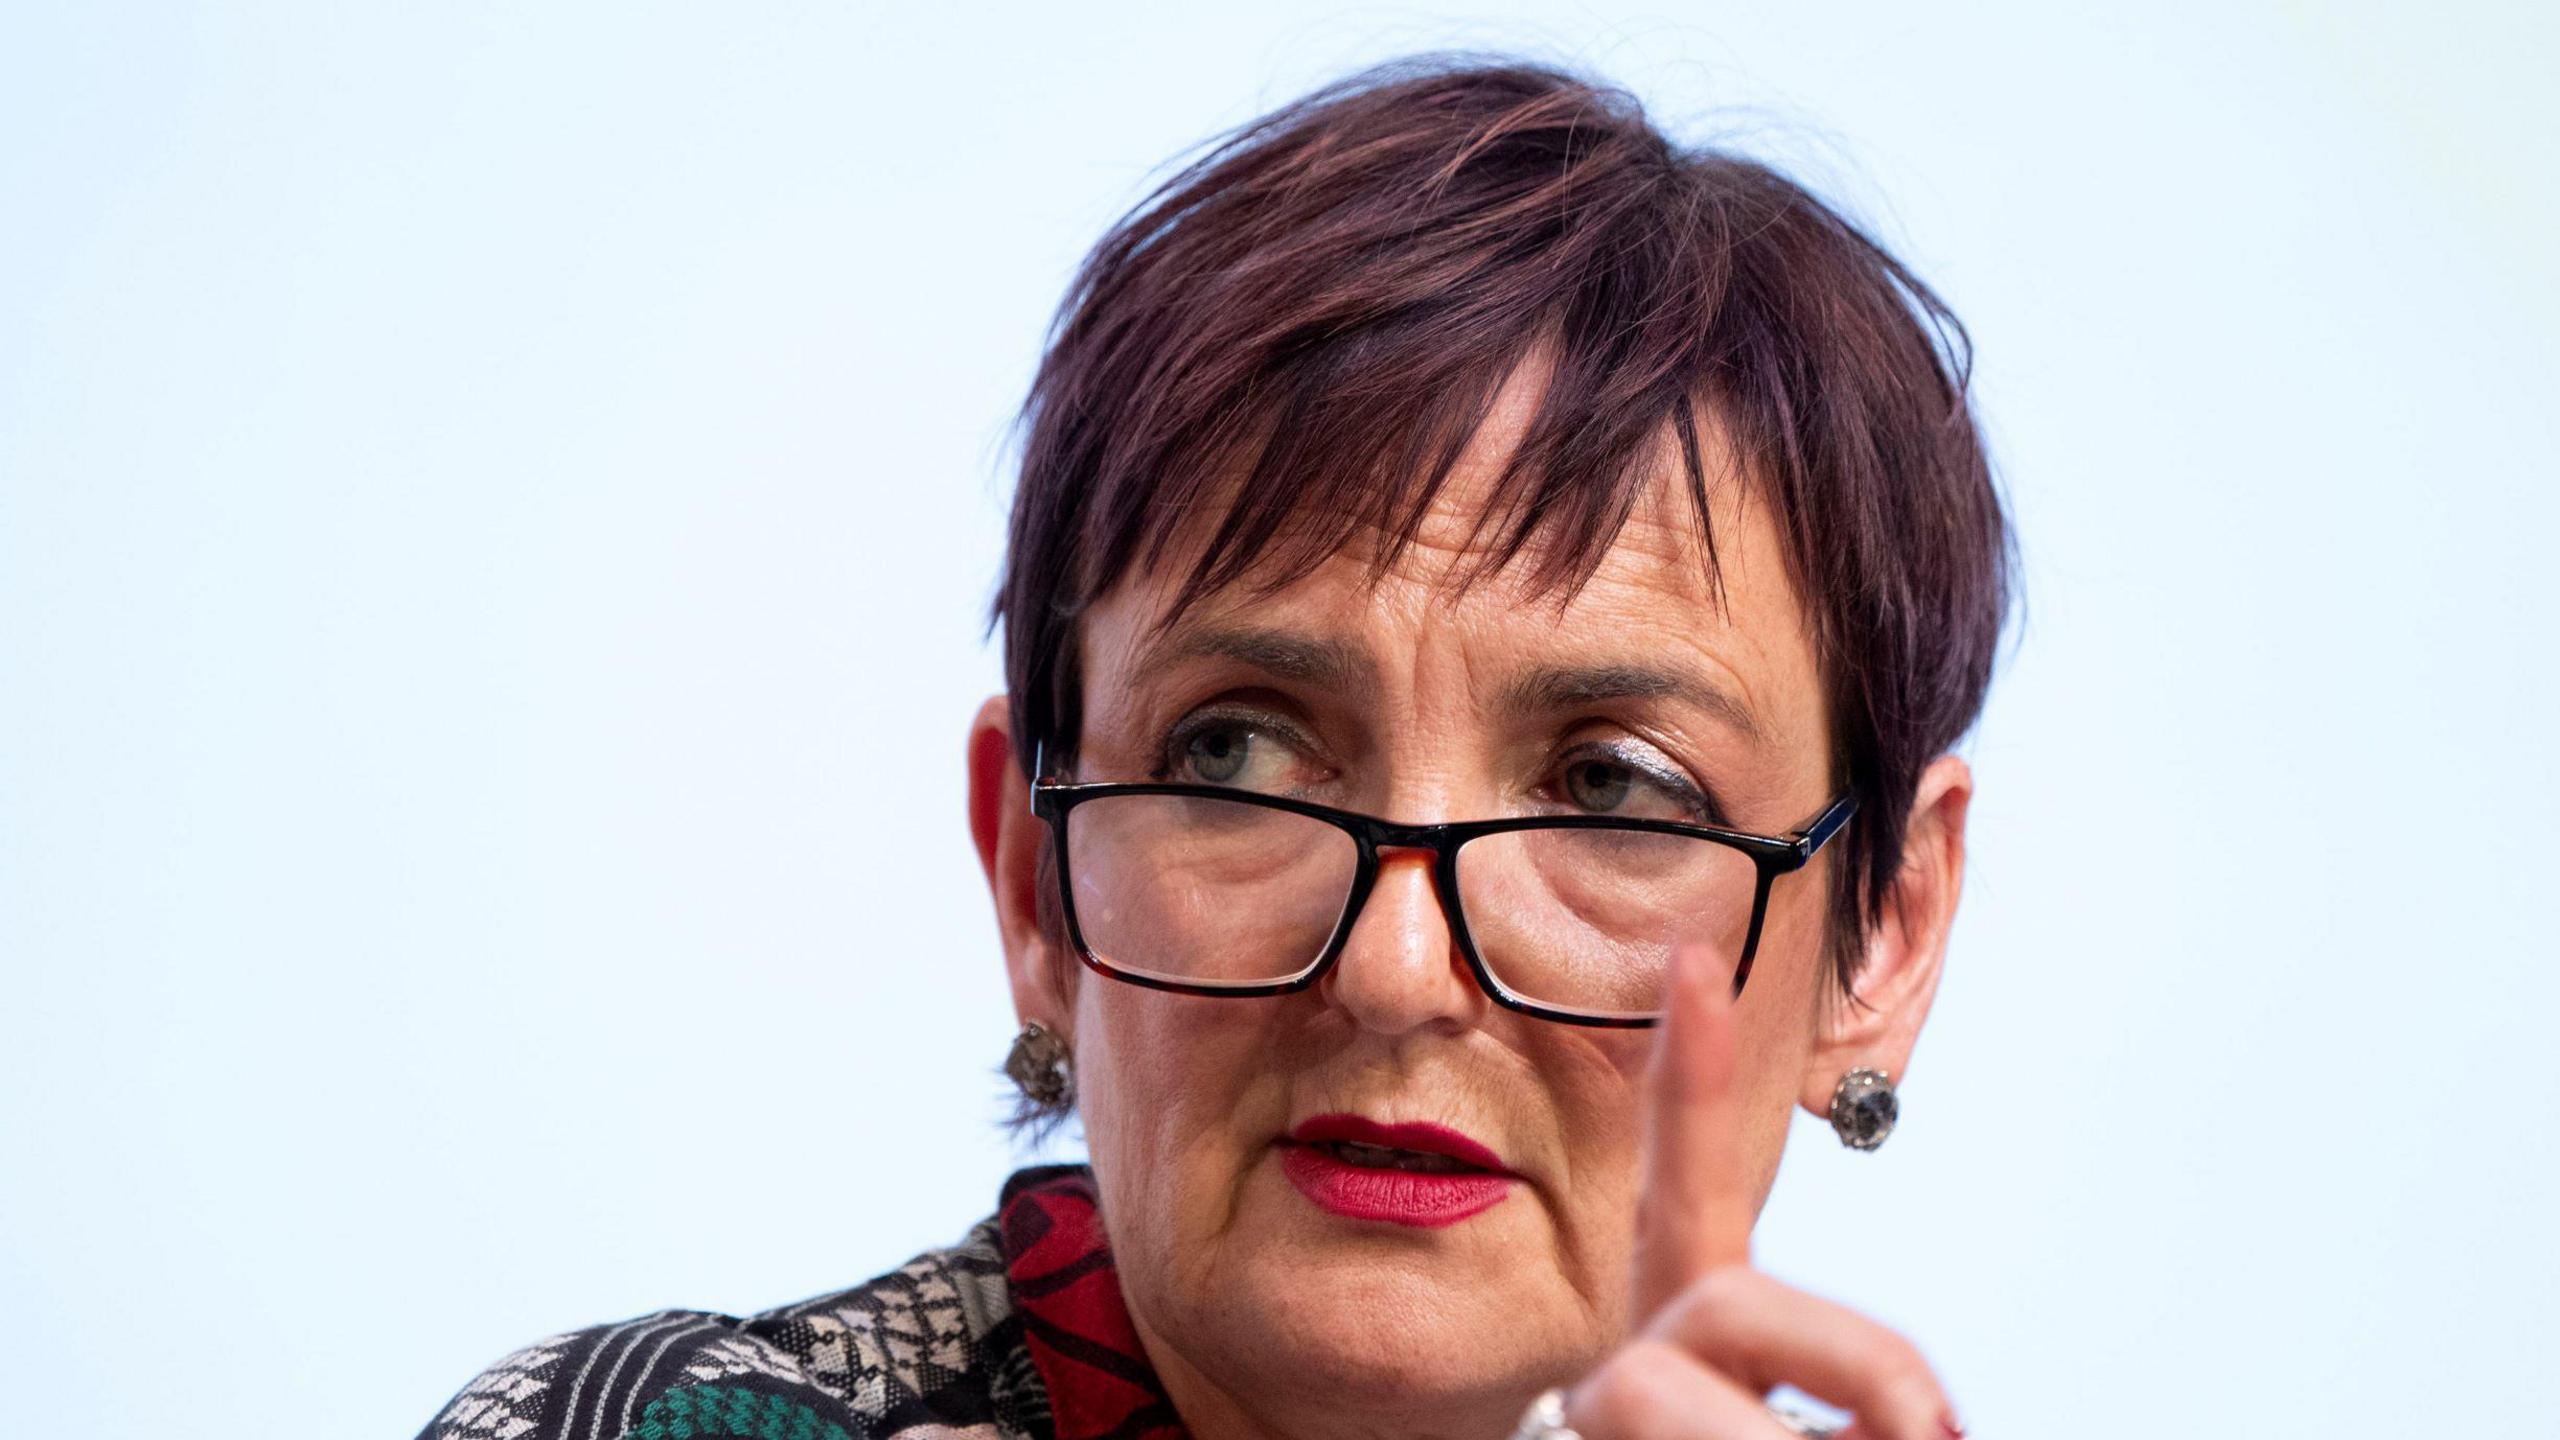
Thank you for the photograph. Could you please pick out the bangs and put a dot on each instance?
(1304, 353)
(1352, 458)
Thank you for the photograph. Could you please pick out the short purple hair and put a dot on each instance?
(1298, 333)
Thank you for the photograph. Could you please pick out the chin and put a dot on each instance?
(1387, 1314)
(1272, 1298)
(1384, 1344)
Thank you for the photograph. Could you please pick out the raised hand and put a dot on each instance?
(1711, 1336)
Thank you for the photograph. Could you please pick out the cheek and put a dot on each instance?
(1791, 967)
(1177, 1094)
(1598, 1088)
(1779, 1016)
(1595, 1086)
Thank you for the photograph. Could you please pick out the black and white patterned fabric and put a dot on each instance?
(929, 1351)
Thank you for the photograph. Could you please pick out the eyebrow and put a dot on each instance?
(1344, 667)
(1325, 664)
(1567, 687)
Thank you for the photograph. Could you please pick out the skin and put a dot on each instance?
(1620, 1263)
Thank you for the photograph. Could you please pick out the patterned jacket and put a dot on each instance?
(932, 1349)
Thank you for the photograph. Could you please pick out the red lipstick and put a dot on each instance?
(1409, 1174)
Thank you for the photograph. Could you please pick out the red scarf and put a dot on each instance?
(1067, 1291)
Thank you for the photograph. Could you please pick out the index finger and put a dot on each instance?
(1695, 1207)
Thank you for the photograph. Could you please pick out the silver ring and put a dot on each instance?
(1802, 1424)
(1545, 1420)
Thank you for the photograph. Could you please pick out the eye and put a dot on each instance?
(1634, 782)
(1246, 750)
(1216, 753)
(1597, 785)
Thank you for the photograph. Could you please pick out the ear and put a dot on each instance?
(1904, 954)
(1010, 839)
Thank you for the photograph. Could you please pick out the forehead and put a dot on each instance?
(1658, 598)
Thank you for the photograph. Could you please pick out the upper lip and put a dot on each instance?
(1415, 1135)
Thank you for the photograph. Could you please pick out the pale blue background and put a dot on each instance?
(496, 504)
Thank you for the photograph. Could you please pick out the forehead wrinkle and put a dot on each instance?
(1660, 544)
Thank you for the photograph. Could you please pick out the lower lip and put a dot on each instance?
(1400, 1197)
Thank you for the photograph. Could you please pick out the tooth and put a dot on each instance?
(1385, 1157)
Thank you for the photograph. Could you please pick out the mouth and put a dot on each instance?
(1410, 1174)
(1383, 1157)
(1416, 1147)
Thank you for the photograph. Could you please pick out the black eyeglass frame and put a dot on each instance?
(1773, 855)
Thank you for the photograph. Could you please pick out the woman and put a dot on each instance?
(1490, 598)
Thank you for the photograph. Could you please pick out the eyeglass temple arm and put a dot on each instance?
(1826, 824)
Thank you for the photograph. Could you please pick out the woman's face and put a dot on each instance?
(1242, 1285)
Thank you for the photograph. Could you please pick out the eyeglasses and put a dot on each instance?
(1209, 890)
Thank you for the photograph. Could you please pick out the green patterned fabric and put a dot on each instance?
(718, 1410)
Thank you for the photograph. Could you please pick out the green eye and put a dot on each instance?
(1631, 782)
(1599, 786)
(1217, 754)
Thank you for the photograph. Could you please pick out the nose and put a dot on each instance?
(1400, 969)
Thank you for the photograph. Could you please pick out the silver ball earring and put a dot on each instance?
(1037, 1065)
(1863, 1108)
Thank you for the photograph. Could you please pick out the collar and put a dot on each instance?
(1057, 1261)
